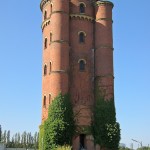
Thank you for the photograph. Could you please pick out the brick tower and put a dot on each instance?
(77, 55)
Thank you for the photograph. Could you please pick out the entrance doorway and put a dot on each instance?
(82, 141)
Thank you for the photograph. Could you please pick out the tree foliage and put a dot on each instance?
(144, 148)
(124, 148)
(59, 128)
(24, 140)
(0, 133)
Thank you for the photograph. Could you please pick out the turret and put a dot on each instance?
(55, 29)
(104, 49)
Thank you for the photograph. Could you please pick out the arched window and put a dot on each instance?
(44, 101)
(51, 8)
(82, 8)
(50, 67)
(81, 37)
(82, 65)
(82, 141)
(45, 43)
(51, 37)
(45, 15)
(49, 98)
(45, 69)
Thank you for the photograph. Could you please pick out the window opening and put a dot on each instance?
(49, 98)
(45, 69)
(82, 65)
(50, 67)
(45, 15)
(82, 141)
(82, 8)
(51, 7)
(45, 43)
(50, 37)
(81, 37)
(44, 101)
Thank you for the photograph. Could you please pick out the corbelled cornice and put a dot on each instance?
(98, 3)
(45, 23)
(82, 16)
(43, 2)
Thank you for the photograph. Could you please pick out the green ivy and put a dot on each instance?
(83, 129)
(64, 148)
(59, 128)
(106, 130)
(41, 135)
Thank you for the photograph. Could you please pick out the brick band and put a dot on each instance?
(105, 76)
(59, 71)
(59, 41)
(105, 19)
(105, 46)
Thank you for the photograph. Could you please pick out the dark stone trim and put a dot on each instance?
(59, 71)
(59, 41)
(105, 19)
(59, 11)
(105, 76)
(104, 46)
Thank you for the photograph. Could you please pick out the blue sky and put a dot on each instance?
(21, 61)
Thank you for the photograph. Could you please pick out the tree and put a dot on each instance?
(124, 148)
(144, 148)
(8, 137)
(19, 139)
(5, 137)
(0, 133)
(59, 128)
(36, 140)
(13, 142)
(24, 139)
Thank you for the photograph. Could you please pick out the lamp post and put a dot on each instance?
(137, 142)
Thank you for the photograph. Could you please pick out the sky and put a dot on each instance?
(21, 67)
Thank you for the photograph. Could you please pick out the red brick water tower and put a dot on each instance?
(77, 54)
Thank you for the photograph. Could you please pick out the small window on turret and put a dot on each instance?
(51, 7)
(45, 43)
(50, 67)
(49, 98)
(44, 101)
(45, 69)
(45, 15)
(82, 8)
(51, 37)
